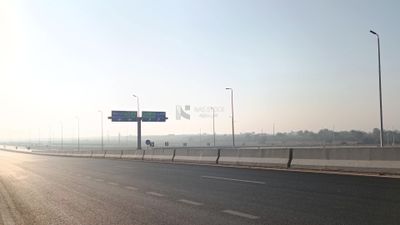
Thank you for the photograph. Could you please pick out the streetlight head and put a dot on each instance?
(228, 88)
(373, 32)
(134, 96)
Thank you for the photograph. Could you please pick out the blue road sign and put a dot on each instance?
(148, 116)
(123, 116)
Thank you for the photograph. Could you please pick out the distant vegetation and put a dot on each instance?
(324, 137)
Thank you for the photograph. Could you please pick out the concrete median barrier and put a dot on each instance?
(255, 157)
(77, 154)
(85, 153)
(114, 154)
(352, 159)
(385, 160)
(133, 154)
(23, 149)
(98, 154)
(54, 153)
(200, 155)
(159, 154)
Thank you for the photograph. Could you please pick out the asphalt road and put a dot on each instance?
(60, 190)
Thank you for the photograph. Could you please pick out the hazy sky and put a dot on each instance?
(298, 64)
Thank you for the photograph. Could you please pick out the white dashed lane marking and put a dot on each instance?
(155, 194)
(99, 180)
(131, 188)
(232, 179)
(123, 167)
(241, 214)
(190, 202)
(113, 183)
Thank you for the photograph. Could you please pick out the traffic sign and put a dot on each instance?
(123, 116)
(149, 116)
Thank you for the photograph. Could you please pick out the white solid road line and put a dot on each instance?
(232, 179)
(155, 194)
(99, 180)
(190, 202)
(112, 183)
(131, 188)
(236, 213)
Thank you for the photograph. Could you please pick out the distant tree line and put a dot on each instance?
(323, 137)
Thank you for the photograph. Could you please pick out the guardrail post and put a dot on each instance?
(105, 152)
(91, 154)
(290, 158)
(122, 152)
(144, 152)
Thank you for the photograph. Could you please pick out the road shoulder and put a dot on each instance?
(8, 212)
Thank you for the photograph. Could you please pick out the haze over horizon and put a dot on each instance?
(301, 65)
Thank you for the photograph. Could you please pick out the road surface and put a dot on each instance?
(61, 190)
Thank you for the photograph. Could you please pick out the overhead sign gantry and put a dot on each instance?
(131, 116)
(153, 116)
(123, 116)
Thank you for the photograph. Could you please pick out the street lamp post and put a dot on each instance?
(49, 139)
(139, 124)
(101, 121)
(138, 106)
(39, 137)
(79, 146)
(213, 116)
(62, 136)
(233, 117)
(380, 85)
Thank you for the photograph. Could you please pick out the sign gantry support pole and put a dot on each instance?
(139, 133)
